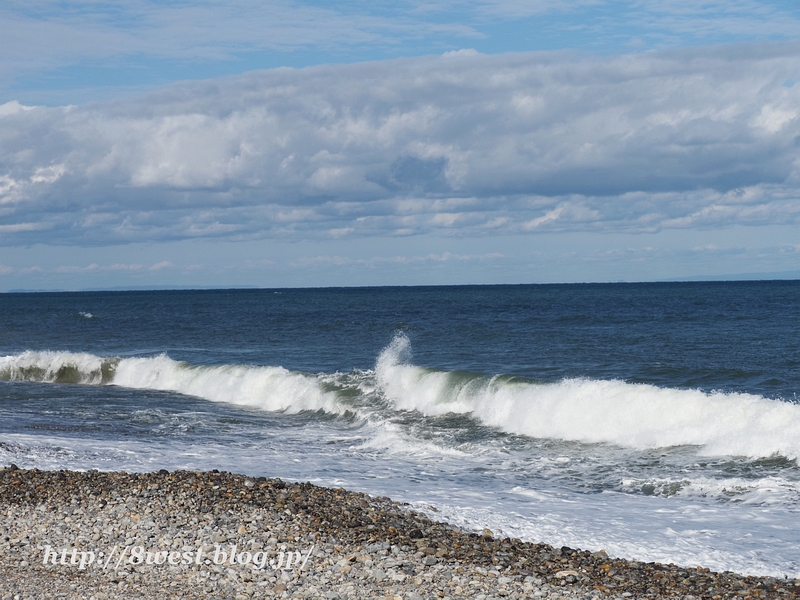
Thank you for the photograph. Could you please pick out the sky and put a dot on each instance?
(225, 143)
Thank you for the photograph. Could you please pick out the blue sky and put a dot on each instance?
(222, 142)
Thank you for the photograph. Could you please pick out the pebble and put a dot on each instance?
(365, 548)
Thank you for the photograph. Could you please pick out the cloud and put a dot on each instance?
(458, 144)
(94, 267)
(714, 18)
(46, 34)
(376, 261)
(160, 265)
(91, 46)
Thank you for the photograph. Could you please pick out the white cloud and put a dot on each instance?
(164, 264)
(466, 144)
(376, 261)
(713, 18)
(773, 118)
(44, 34)
(12, 108)
(21, 227)
(80, 47)
(94, 267)
(74, 269)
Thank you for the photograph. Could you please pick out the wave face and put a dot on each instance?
(528, 427)
(612, 412)
(58, 367)
(267, 388)
(587, 463)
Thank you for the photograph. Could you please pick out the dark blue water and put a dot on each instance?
(657, 421)
(733, 336)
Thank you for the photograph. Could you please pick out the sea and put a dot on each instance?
(655, 421)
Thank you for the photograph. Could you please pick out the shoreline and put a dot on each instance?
(92, 534)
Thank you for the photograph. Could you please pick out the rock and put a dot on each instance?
(355, 546)
(377, 547)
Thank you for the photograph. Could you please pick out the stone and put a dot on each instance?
(358, 546)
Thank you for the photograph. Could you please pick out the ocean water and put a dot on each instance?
(655, 421)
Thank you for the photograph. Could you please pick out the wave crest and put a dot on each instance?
(614, 412)
(264, 387)
(267, 388)
(58, 367)
(597, 411)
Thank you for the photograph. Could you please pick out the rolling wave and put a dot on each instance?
(597, 411)
(58, 367)
(264, 387)
(267, 388)
(583, 410)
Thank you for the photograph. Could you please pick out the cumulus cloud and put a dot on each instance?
(456, 144)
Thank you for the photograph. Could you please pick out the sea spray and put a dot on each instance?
(596, 411)
(631, 415)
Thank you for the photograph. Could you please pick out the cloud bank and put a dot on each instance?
(40, 35)
(460, 144)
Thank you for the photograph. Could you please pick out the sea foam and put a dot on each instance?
(56, 367)
(613, 412)
(264, 387)
(597, 411)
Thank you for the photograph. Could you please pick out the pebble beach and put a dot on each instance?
(182, 534)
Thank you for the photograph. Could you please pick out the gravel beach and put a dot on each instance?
(97, 535)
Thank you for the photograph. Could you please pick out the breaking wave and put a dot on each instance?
(267, 388)
(582, 410)
(596, 411)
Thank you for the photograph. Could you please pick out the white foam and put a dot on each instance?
(690, 518)
(595, 411)
(763, 491)
(264, 387)
(47, 366)
(591, 411)
(267, 388)
(390, 440)
(644, 528)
